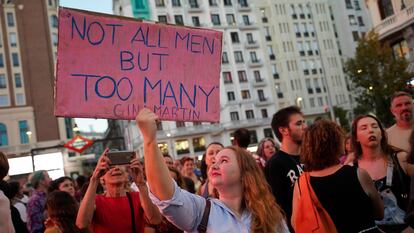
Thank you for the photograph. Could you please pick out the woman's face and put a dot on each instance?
(268, 149)
(211, 153)
(116, 175)
(368, 132)
(225, 170)
(67, 186)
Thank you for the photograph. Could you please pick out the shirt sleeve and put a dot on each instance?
(184, 209)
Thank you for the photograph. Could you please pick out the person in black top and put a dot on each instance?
(284, 168)
(346, 193)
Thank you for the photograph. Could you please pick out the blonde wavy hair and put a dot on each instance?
(267, 216)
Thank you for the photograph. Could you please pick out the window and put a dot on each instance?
(199, 144)
(182, 147)
(18, 80)
(212, 2)
(242, 76)
(268, 133)
(180, 124)
(227, 77)
(159, 3)
(159, 125)
(178, 19)
(401, 49)
(13, 39)
(352, 20)
(23, 128)
(3, 83)
(54, 39)
(320, 101)
(1, 61)
(162, 18)
(20, 99)
(224, 58)
(176, 3)
(246, 20)
(355, 35)
(274, 72)
(253, 56)
(257, 76)
(10, 19)
(230, 19)
(234, 116)
(245, 94)
(357, 6)
(3, 135)
(227, 2)
(54, 21)
(231, 96)
(238, 56)
(360, 21)
(261, 95)
(249, 114)
(234, 37)
(193, 3)
(196, 21)
(163, 146)
(385, 8)
(264, 113)
(15, 58)
(4, 100)
(348, 4)
(249, 37)
(215, 19)
(243, 3)
(312, 102)
(253, 136)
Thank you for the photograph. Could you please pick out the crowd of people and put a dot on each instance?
(360, 180)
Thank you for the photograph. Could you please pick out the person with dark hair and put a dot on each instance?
(359, 202)
(284, 168)
(62, 209)
(386, 167)
(402, 108)
(206, 190)
(168, 160)
(117, 210)
(245, 203)
(36, 204)
(188, 173)
(64, 183)
(6, 224)
(241, 138)
(18, 199)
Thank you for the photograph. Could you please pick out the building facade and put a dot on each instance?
(30, 134)
(275, 54)
(393, 20)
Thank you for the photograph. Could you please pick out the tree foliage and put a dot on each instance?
(376, 74)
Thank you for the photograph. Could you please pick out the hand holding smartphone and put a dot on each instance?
(120, 157)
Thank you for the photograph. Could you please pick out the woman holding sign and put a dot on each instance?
(245, 204)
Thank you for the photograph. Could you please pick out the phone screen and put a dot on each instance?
(121, 157)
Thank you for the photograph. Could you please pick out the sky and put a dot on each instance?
(103, 6)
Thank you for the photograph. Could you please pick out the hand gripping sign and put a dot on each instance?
(111, 67)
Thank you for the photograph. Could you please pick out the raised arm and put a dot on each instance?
(87, 206)
(156, 170)
(151, 211)
(369, 188)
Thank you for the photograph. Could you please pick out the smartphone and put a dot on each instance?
(120, 157)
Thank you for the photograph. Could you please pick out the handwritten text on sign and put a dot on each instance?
(111, 67)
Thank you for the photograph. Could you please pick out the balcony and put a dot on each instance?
(259, 83)
(263, 102)
(243, 7)
(195, 8)
(396, 22)
(248, 26)
(255, 63)
(251, 45)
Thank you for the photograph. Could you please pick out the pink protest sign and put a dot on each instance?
(111, 67)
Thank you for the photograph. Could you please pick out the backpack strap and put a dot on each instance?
(131, 206)
(202, 228)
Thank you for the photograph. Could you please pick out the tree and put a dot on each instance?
(376, 74)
